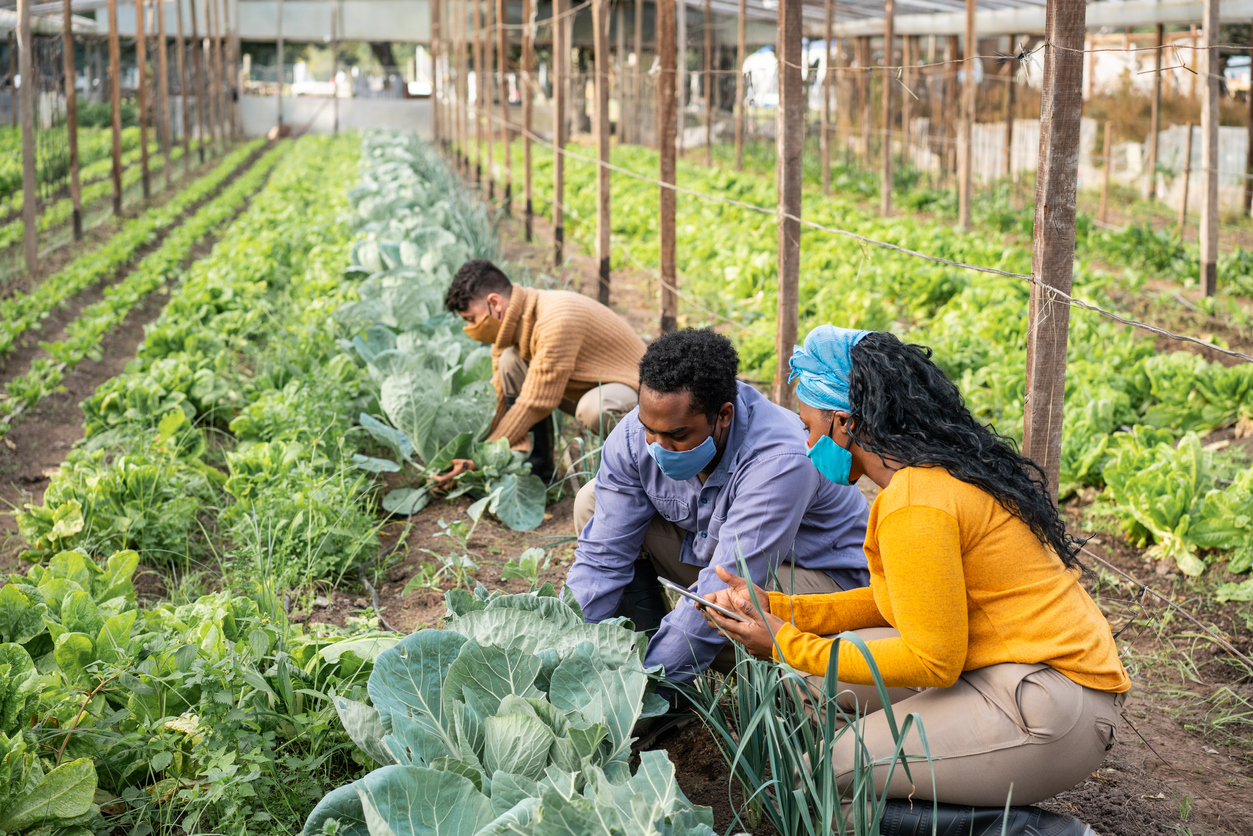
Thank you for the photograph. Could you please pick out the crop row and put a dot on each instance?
(19, 313)
(1125, 398)
(94, 144)
(85, 332)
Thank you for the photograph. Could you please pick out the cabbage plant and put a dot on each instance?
(516, 718)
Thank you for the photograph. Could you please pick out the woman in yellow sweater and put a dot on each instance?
(974, 614)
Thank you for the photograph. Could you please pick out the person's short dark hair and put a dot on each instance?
(475, 280)
(696, 360)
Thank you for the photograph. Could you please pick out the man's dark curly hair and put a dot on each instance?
(903, 407)
(695, 360)
(473, 281)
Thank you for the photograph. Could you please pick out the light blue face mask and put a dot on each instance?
(681, 465)
(832, 460)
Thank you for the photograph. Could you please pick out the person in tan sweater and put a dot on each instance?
(550, 349)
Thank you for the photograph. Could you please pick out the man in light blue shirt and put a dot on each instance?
(706, 472)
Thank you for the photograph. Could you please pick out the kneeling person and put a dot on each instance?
(550, 349)
(705, 472)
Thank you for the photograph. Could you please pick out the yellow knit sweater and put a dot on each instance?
(571, 344)
(966, 583)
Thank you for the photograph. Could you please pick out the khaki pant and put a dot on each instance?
(1028, 730)
(598, 409)
(663, 544)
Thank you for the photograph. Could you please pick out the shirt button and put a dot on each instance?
(704, 534)
(704, 501)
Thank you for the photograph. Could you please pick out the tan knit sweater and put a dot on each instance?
(571, 344)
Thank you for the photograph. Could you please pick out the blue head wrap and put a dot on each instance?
(822, 365)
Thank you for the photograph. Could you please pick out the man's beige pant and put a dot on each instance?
(1023, 732)
(663, 545)
(600, 407)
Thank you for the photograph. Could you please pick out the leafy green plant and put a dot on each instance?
(526, 566)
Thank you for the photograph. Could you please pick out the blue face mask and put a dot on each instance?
(683, 465)
(832, 460)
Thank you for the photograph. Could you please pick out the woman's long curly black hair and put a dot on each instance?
(904, 408)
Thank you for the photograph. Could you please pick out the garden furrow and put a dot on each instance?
(84, 334)
(20, 313)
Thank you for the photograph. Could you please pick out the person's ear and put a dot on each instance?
(726, 413)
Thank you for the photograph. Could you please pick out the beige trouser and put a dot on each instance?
(1028, 730)
(663, 545)
(599, 408)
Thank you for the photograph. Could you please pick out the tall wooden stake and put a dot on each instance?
(965, 147)
(709, 84)
(1053, 244)
(230, 70)
(184, 92)
(637, 85)
(667, 130)
(682, 86)
(885, 175)
(437, 87)
(741, 52)
(1187, 177)
(1103, 212)
(1155, 113)
(25, 58)
(11, 80)
(790, 135)
(600, 35)
(620, 79)
(115, 102)
(824, 137)
(335, 67)
(480, 96)
(909, 54)
(197, 63)
(163, 92)
(141, 62)
(489, 127)
(863, 91)
(279, 57)
(1010, 88)
(561, 55)
(71, 120)
(502, 87)
(214, 18)
(528, 58)
(1212, 73)
(1248, 162)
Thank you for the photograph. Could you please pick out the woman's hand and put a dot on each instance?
(756, 634)
(446, 481)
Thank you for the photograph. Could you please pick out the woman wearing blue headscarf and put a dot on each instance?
(974, 610)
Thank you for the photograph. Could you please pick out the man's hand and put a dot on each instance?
(757, 634)
(445, 481)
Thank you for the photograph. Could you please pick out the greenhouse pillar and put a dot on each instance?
(741, 52)
(667, 128)
(1053, 242)
(620, 85)
(637, 86)
(11, 78)
(1248, 162)
(458, 69)
(502, 87)
(71, 120)
(527, 59)
(863, 96)
(230, 71)
(561, 52)
(1187, 179)
(1212, 70)
(489, 128)
(141, 66)
(600, 35)
(184, 93)
(437, 88)
(824, 136)
(163, 92)
(198, 74)
(219, 86)
(909, 50)
(1155, 112)
(334, 67)
(1009, 111)
(885, 175)
(709, 84)
(965, 148)
(1102, 213)
(25, 58)
(115, 103)
(479, 96)
(681, 82)
(278, 60)
(790, 137)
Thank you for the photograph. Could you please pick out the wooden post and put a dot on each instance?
(951, 109)
(824, 137)
(230, 70)
(25, 58)
(71, 120)
(600, 35)
(965, 148)
(437, 88)
(279, 45)
(528, 58)
(141, 61)
(709, 84)
(335, 69)
(184, 92)
(863, 96)
(1103, 213)
(909, 49)
(1248, 163)
(1187, 177)
(479, 85)
(885, 175)
(637, 84)
(682, 85)
(214, 23)
(667, 128)
(620, 78)
(790, 135)
(163, 92)
(1053, 244)
(1212, 73)
(1011, 80)
(12, 79)
(1155, 114)
(741, 52)
(115, 101)
(502, 86)
(561, 54)
(197, 63)
(489, 128)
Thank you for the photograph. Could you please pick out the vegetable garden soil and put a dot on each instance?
(43, 436)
